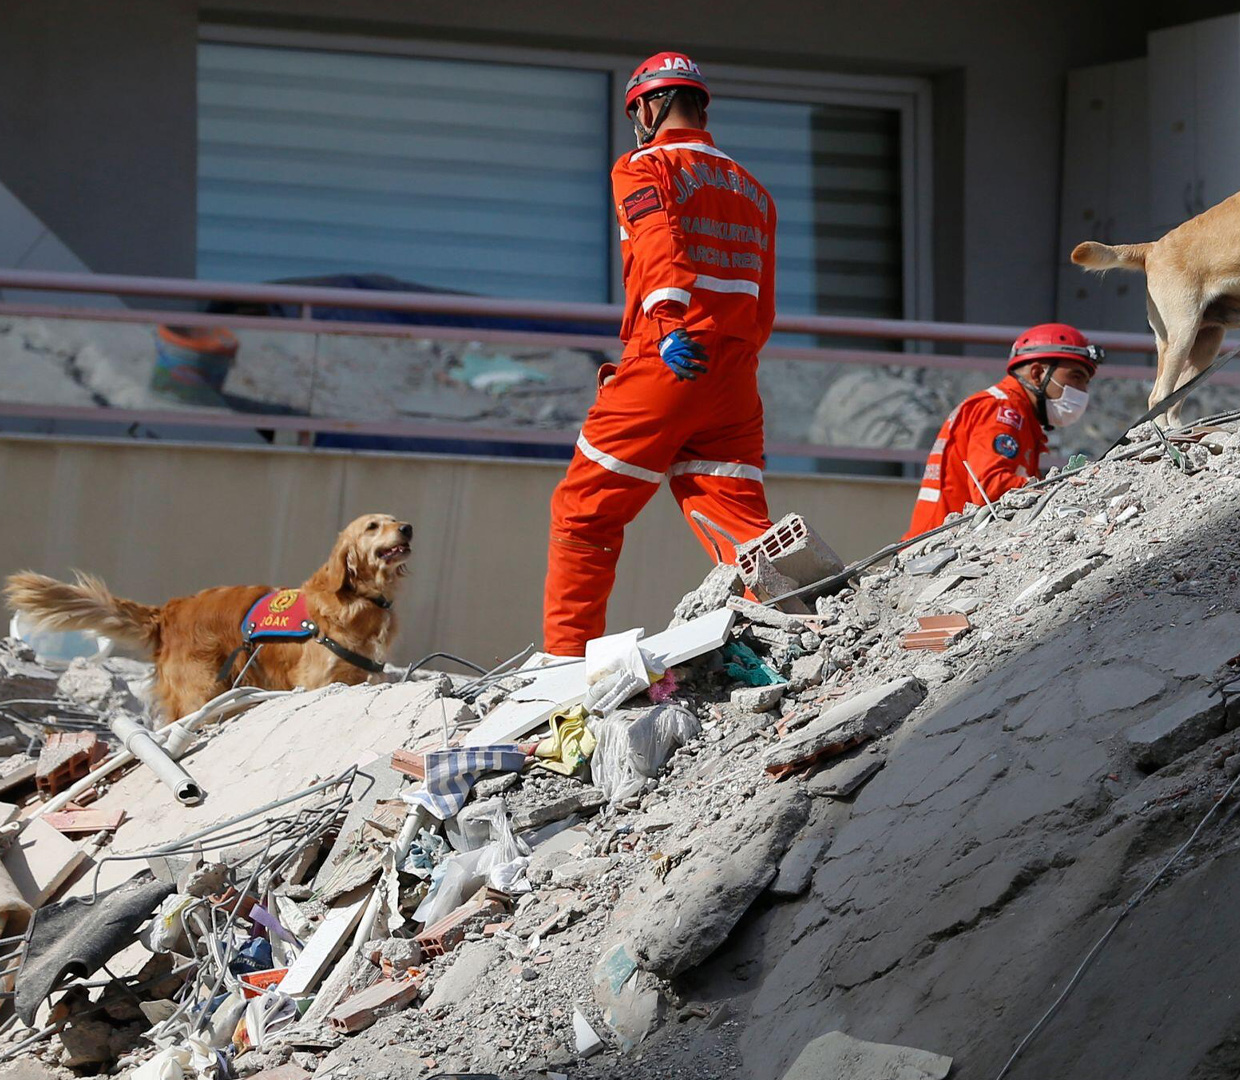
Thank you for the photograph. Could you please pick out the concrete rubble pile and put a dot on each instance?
(781, 840)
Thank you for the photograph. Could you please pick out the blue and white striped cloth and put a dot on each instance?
(451, 774)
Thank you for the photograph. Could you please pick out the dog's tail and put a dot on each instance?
(85, 605)
(1095, 256)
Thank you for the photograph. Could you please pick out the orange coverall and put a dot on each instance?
(998, 433)
(697, 234)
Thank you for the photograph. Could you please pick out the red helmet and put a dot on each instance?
(1054, 341)
(664, 71)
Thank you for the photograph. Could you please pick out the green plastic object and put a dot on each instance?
(745, 665)
(1077, 461)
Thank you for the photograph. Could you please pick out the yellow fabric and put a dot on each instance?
(569, 744)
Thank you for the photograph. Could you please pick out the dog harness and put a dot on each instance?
(282, 615)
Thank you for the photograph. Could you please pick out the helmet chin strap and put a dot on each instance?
(645, 134)
(1040, 391)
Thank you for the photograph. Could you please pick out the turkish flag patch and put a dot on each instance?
(643, 201)
(1010, 416)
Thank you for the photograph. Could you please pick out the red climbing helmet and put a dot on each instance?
(1054, 341)
(664, 71)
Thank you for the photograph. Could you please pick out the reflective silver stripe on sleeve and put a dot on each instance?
(726, 285)
(995, 392)
(614, 464)
(930, 495)
(624, 233)
(681, 296)
(717, 468)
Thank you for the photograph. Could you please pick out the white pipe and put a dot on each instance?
(177, 742)
(138, 742)
(414, 821)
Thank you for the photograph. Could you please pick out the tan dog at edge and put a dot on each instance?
(190, 638)
(1192, 291)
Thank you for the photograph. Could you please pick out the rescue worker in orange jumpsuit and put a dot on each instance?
(994, 441)
(697, 233)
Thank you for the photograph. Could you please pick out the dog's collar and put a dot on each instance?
(378, 601)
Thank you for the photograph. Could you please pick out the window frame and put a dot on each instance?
(909, 96)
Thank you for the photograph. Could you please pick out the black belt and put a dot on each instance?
(333, 646)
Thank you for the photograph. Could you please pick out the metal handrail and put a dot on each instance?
(307, 296)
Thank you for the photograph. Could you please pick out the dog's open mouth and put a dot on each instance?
(398, 553)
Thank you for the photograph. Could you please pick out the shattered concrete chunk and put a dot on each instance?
(722, 583)
(585, 801)
(838, 1056)
(95, 686)
(766, 616)
(843, 778)
(930, 564)
(1185, 724)
(588, 1041)
(1049, 585)
(473, 960)
(758, 699)
(580, 871)
(796, 869)
(850, 723)
(674, 929)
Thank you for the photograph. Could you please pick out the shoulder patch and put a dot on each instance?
(641, 202)
(1010, 416)
(1006, 446)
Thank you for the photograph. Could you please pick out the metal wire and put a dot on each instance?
(1100, 944)
(446, 656)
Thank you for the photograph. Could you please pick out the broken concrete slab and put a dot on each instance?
(854, 721)
(583, 802)
(723, 582)
(930, 564)
(588, 1041)
(766, 616)
(796, 868)
(675, 928)
(1185, 724)
(758, 699)
(581, 871)
(40, 860)
(836, 1056)
(1049, 585)
(473, 960)
(841, 779)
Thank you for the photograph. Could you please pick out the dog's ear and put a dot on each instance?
(339, 565)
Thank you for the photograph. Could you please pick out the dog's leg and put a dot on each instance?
(1176, 309)
(1205, 349)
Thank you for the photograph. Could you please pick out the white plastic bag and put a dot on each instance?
(616, 669)
(501, 864)
(170, 1064)
(632, 749)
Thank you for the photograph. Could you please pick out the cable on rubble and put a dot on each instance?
(829, 584)
(1100, 944)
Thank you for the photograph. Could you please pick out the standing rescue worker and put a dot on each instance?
(998, 432)
(697, 233)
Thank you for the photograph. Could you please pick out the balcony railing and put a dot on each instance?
(320, 377)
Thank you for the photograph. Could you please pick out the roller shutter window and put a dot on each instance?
(478, 177)
(834, 171)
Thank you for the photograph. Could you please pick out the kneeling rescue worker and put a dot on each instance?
(697, 233)
(994, 441)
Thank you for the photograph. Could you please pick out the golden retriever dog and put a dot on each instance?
(192, 637)
(1192, 280)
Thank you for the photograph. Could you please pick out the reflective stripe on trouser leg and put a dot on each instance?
(589, 510)
(736, 504)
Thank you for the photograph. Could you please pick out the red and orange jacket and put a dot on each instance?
(698, 237)
(998, 433)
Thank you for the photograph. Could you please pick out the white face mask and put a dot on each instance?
(1068, 408)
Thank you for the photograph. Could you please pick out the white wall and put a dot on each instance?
(156, 521)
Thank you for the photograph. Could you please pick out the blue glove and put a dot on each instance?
(681, 353)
